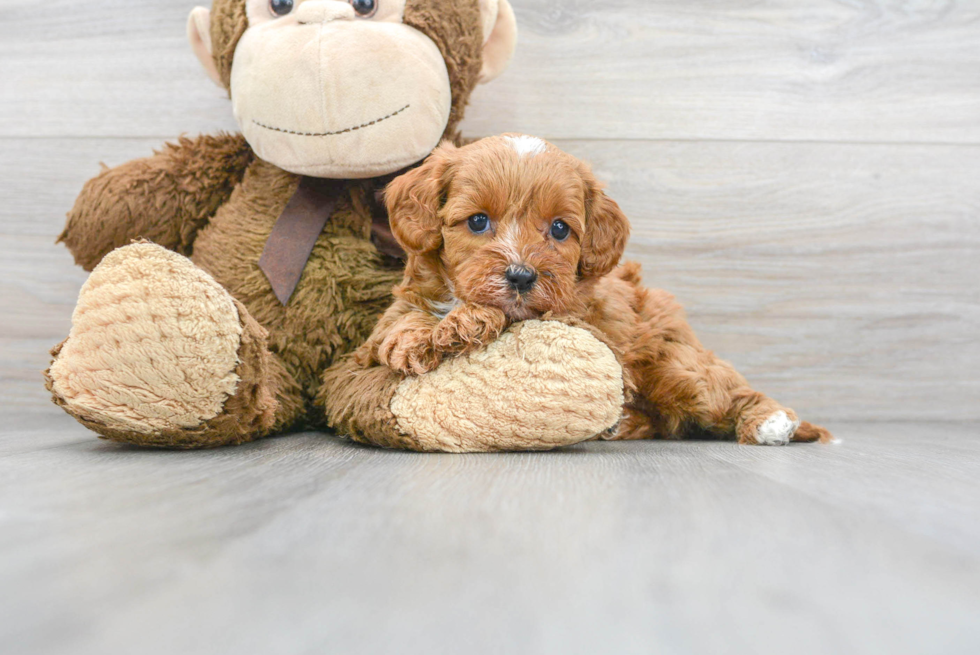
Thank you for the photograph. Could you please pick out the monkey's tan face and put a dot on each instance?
(338, 89)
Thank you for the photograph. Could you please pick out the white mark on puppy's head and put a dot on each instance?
(527, 146)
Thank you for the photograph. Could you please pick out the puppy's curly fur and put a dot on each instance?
(510, 228)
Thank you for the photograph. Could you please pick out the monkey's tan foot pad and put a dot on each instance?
(540, 385)
(156, 350)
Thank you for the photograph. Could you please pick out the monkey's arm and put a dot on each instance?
(165, 198)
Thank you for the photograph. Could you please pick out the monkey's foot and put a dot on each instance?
(540, 385)
(159, 354)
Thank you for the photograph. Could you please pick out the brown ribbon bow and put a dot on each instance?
(296, 230)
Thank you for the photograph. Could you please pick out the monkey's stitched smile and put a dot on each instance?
(345, 131)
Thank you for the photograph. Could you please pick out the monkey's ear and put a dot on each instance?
(606, 231)
(199, 34)
(414, 200)
(499, 37)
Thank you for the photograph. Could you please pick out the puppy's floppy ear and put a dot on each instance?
(414, 199)
(606, 231)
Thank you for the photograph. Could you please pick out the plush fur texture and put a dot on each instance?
(204, 382)
(131, 308)
(166, 198)
(457, 30)
(541, 385)
(542, 212)
(229, 21)
(581, 382)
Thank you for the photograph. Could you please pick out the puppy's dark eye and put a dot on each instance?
(364, 8)
(560, 230)
(280, 7)
(478, 223)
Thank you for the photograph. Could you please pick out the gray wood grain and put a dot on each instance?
(839, 278)
(829, 70)
(310, 544)
(883, 70)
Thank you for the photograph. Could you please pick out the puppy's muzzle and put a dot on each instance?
(521, 278)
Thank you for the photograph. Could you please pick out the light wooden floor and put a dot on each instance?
(309, 544)
(803, 175)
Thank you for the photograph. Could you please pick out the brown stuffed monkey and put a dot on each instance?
(232, 274)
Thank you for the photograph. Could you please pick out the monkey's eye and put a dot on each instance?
(280, 7)
(560, 230)
(364, 8)
(478, 223)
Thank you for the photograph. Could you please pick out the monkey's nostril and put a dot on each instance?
(521, 278)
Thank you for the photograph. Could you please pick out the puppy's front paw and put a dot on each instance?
(409, 352)
(468, 328)
(367, 355)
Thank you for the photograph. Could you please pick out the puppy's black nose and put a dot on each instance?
(521, 278)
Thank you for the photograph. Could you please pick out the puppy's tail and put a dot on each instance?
(811, 432)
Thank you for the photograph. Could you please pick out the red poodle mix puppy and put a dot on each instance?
(510, 228)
